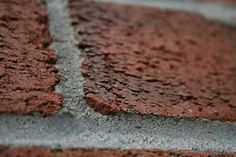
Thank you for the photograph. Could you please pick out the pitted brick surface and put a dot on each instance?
(27, 72)
(155, 62)
(81, 152)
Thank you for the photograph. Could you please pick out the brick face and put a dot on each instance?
(150, 61)
(27, 72)
(81, 152)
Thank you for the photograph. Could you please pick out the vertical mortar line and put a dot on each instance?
(69, 60)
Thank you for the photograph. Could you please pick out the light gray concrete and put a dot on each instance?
(77, 125)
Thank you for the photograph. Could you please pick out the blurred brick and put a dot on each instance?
(82, 152)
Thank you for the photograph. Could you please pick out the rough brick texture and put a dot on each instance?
(27, 72)
(79, 152)
(150, 61)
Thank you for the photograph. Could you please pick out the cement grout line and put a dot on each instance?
(86, 128)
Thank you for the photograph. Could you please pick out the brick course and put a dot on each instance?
(82, 152)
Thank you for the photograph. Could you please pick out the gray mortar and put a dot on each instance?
(77, 125)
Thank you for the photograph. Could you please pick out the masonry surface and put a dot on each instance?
(136, 64)
(59, 38)
(73, 152)
(27, 72)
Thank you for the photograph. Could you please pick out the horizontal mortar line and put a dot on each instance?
(124, 131)
(86, 128)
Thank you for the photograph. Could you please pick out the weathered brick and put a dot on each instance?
(153, 61)
(27, 72)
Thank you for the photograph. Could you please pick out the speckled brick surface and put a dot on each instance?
(144, 60)
(27, 72)
(81, 152)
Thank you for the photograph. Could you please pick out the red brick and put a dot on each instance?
(158, 62)
(27, 72)
(81, 152)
